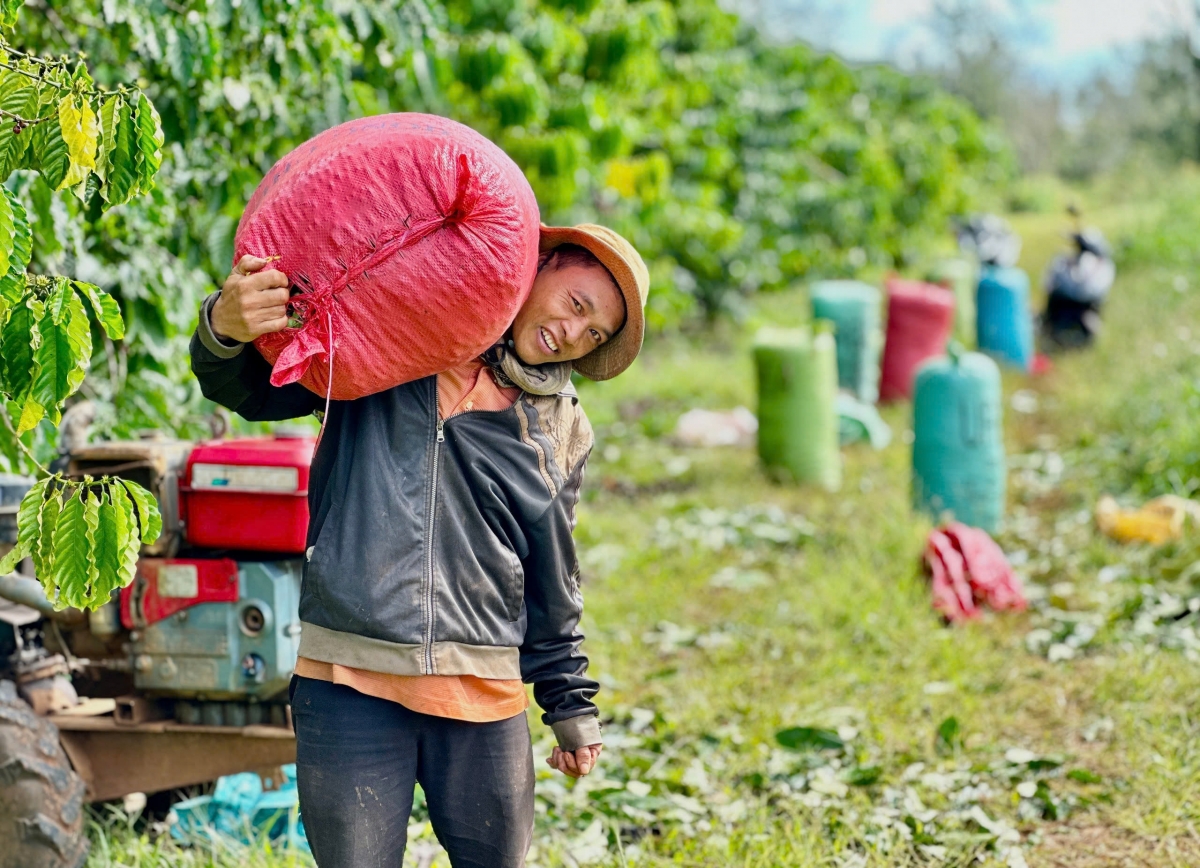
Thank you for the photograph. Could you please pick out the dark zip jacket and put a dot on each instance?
(435, 547)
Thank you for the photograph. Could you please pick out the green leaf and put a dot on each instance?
(126, 533)
(55, 365)
(70, 553)
(50, 153)
(147, 509)
(81, 133)
(864, 776)
(122, 173)
(91, 524)
(7, 231)
(79, 335)
(9, 562)
(108, 313)
(112, 538)
(12, 284)
(18, 96)
(809, 738)
(1083, 776)
(43, 553)
(55, 303)
(149, 143)
(9, 9)
(81, 76)
(109, 116)
(27, 527)
(949, 735)
(17, 352)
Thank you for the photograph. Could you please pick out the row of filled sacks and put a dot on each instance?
(921, 321)
(804, 374)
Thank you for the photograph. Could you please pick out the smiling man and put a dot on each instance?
(441, 571)
(571, 310)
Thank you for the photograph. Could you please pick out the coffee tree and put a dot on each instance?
(104, 147)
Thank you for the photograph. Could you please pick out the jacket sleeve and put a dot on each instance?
(241, 380)
(551, 657)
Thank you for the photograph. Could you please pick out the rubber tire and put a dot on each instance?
(41, 797)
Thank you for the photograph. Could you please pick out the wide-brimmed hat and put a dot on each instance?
(633, 279)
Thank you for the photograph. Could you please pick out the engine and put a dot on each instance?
(208, 631)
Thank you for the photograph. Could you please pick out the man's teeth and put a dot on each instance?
(549, 339)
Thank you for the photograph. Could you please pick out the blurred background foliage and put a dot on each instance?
(1138, 111)
(734, 164)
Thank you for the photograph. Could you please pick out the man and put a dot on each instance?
(441, 571)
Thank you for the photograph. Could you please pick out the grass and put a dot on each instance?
(834, 630)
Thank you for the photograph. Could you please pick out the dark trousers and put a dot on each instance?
(358, 758)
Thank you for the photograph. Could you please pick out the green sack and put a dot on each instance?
(797, 416)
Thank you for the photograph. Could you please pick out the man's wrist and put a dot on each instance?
(219, 335)
(576, 732)
(218, 345)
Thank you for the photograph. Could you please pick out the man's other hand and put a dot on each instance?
(575, 763)
(253, 302)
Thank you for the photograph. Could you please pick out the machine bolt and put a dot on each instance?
(253, 620)
(181, 616)
(143, 663)
(254, 668)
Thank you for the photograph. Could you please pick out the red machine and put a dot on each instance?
(249, 494)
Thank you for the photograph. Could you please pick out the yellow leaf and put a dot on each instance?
(81, 133)
(622, 176)
(31, 414)
(645, 177)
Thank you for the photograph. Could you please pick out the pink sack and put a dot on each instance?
(968, 570)
(411, 242)
(920, 318)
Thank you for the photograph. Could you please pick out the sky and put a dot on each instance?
(1062, 41)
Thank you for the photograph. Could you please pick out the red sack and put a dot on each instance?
(411, 242)
(919, 321)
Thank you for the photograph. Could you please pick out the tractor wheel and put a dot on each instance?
(41, 797)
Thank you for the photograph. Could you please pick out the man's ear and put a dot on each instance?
(544, 259)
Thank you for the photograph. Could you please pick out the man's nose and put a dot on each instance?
(573, 329)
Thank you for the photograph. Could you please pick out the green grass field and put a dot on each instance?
(779, 691)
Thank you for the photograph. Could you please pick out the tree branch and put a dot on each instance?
(20, 443)
(21, 122)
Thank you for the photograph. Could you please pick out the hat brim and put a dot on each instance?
(618, 353)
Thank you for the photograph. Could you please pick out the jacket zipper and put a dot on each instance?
(432, 506)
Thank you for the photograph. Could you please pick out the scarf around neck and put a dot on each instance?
(548, 379)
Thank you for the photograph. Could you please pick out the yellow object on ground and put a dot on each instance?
(1157, 521)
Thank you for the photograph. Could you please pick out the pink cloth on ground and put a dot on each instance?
(968, 570)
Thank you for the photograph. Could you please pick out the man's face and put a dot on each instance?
(570, 311)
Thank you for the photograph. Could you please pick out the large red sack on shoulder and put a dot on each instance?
(411, 242)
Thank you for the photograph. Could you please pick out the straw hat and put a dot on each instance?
(633, 279)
